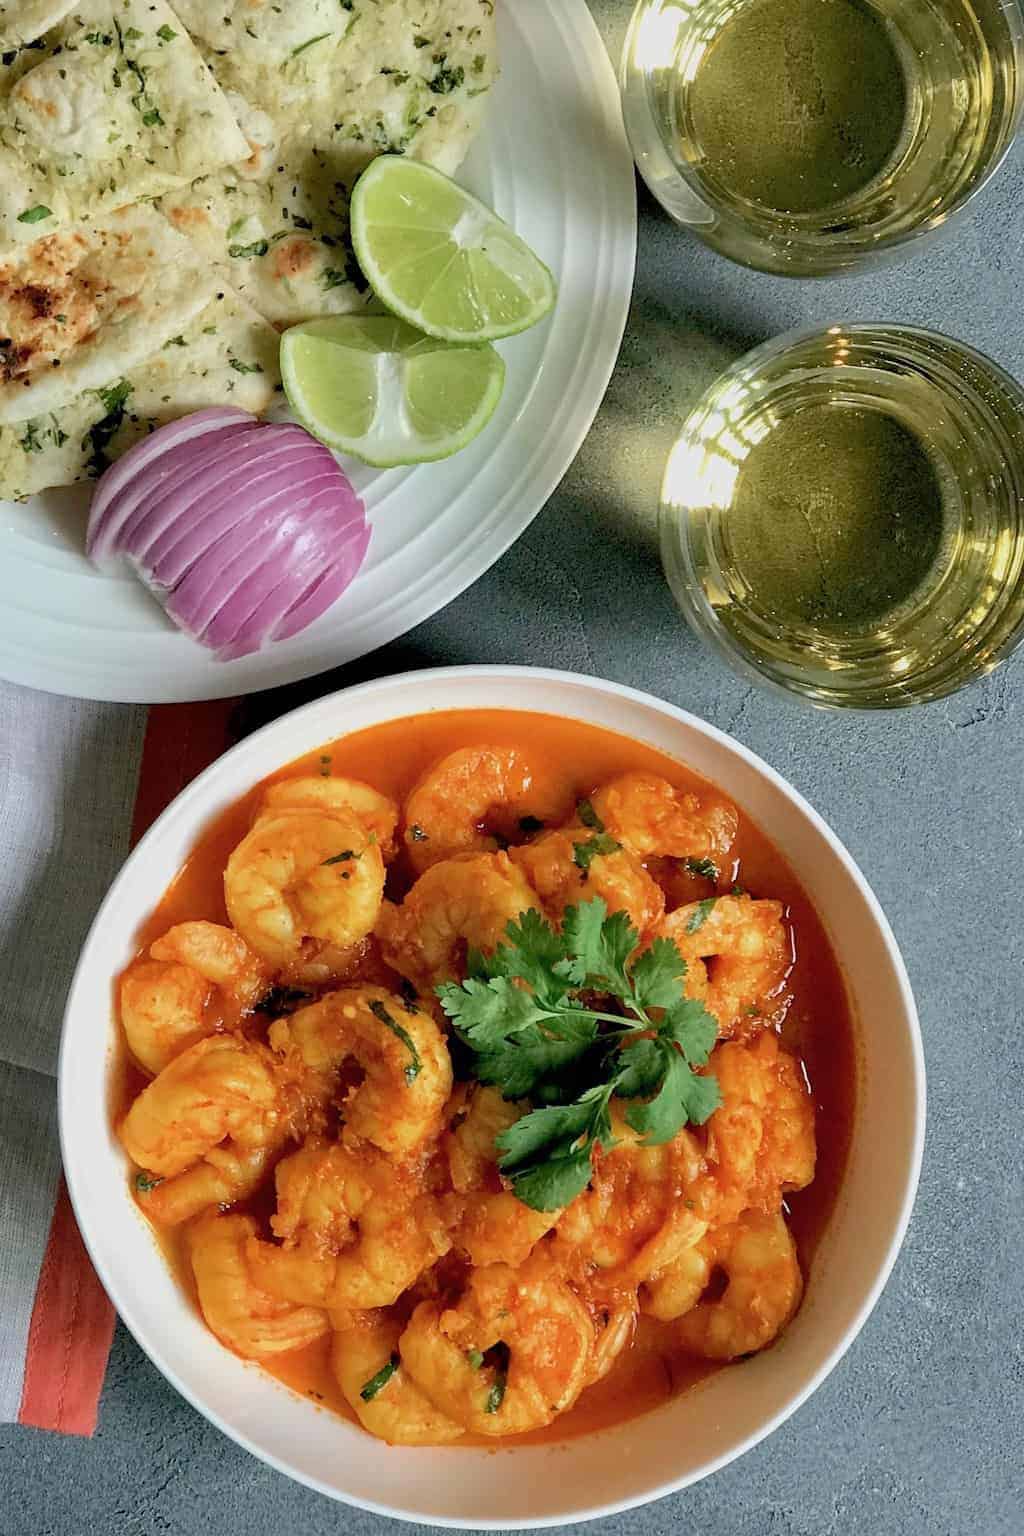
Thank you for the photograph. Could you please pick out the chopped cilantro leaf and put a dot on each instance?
(500, 1357)
(114, 399)
(30, 441)
(309, 43)
(700, 914)
(415, 1067)
(589, 817)
(34, 215)
(446, 79)
(527, 1013)
(379, 1382)
(702, 867)
(599, 846)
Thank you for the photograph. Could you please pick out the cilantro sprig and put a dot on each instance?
(538, 1016)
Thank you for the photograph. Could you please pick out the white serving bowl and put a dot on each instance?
(604, 1472)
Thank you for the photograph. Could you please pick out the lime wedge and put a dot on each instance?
(370, 386)
(439, 258)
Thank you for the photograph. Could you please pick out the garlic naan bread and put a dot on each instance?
(82, 306)
(117, 106)
(227, 355)
(250, 119)
(22, 21)
(338, 66)
(283, 237)
(320, 87)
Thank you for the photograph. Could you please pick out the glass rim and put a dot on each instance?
(634, 84)
(688, 589)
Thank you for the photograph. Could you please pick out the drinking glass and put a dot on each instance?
(807, 137)
(909, 632)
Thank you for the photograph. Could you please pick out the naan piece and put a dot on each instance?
(228, 355)
(117, 106)
(375, 67)
(22, 21)
(283, 236)
(82, 306)
(320, 88)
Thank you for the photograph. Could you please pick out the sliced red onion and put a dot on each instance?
(325, 591)
(174, 553)
(245, 532)
(265, 536)
(152, 523)
(129, 469)
(264, 600)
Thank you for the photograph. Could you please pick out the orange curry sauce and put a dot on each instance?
(817, 1027)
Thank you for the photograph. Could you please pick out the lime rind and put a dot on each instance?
(373, 387)
(442, 260)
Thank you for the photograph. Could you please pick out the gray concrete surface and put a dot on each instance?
(918, 1432)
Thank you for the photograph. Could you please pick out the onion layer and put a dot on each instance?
(245, 532)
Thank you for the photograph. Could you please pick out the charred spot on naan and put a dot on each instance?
(294, 257)
(45, 316)
(227, 354)
(79, 307)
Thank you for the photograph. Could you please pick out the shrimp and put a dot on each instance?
(471, 794)
(513, 1353)
(760, 1142)
(242, 1315)
(561, 869)
(680, 1285)
(224, 1088)
(399, 1103)
(488, 1222)
(651, 818)
(303, 888)
(746, 948)
(226, 1175)
(638, 1213)
(199, 978)
(208, 1127)
(377, 812)
(460, 904)
(758, 1259)
(381, 1393)
(615, 1331)
(356, 1230)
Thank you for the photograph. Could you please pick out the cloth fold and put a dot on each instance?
(79, 782)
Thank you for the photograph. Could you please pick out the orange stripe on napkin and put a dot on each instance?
(72, 1319)
(181, 740)
(69, 1336)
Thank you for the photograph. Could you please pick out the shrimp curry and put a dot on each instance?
(487, 1074)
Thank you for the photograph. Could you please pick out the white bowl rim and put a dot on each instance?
(399, 683)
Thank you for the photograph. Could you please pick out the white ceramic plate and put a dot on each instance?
(553, 161)
(614, 1469)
